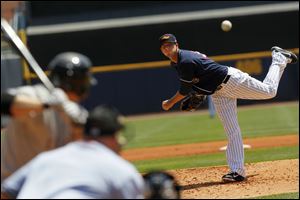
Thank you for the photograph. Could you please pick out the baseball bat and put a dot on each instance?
(14, 39)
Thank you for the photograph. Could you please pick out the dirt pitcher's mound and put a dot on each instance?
(264, 178)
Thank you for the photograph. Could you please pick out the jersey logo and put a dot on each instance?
(195, 80)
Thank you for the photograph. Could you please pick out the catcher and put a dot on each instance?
(200, 76)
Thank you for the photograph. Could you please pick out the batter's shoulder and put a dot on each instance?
(27, 90)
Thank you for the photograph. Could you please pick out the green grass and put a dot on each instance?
(251, 156)
(193, 128)
(294, 195)
(199, 127)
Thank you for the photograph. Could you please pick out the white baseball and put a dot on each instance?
(226, 25)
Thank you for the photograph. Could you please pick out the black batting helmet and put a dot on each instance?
(161, 185)
(71, 72)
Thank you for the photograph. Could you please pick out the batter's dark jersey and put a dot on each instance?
(198, 72)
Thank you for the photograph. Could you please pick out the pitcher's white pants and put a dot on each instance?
(242, 86)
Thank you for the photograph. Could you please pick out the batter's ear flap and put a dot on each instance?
(55, 80)
(60, 82)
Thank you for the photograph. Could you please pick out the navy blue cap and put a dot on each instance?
(168, 37)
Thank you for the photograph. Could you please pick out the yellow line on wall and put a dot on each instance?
(144, 65)
(165, 63)
(158, 64)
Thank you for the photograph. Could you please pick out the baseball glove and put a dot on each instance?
(192, 101)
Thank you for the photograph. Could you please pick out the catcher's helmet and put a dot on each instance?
(161, 185)
(71, 72)
(103, 120)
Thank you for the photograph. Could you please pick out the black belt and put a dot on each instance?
(224, 81)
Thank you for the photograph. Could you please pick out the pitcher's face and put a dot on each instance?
(169, 49)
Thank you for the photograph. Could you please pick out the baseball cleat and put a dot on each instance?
(290, 55)
(233, 177)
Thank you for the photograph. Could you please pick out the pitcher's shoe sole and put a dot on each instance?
(290, 55)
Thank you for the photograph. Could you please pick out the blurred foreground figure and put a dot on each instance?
(83, 169)
(42, 120)
(161, 185)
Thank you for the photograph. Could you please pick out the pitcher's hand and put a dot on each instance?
(166, 105)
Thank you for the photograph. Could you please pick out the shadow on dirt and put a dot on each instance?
(209, 184)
